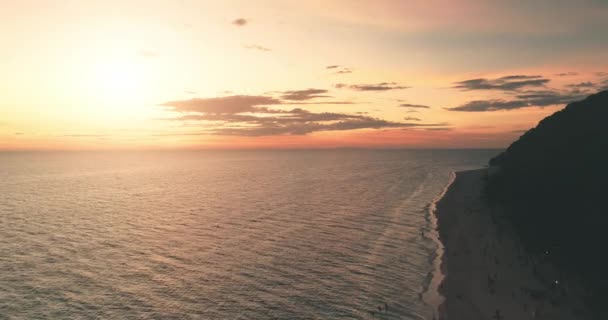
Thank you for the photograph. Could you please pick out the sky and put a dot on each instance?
(134, 74)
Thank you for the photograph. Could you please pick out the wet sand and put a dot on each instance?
(487, 273)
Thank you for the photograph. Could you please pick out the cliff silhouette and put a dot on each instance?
(554, 182)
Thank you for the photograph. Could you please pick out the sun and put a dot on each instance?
(119, 80)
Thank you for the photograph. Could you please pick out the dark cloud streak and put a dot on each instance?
(383, 86)
(566, 74)
(522, 100)
(415, 106)
(507, 83)
(586, 84)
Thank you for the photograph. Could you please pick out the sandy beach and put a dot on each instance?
(487, 274)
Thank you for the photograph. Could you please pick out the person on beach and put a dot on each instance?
(497, 315)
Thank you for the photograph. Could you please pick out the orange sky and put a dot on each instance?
(291, 74)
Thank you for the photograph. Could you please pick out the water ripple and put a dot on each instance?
(219, 235)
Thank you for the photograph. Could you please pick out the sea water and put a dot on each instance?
(306, 234)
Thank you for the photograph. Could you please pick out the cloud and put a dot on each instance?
(316, 102)
(519, 77)
(344, 71)
(296, 115)
(415, 106)
(253, 104)
(411, 119)
(507, 83)
(256, 47)
(339, 69)
(490, 105)
(240, 22)
(567, 74)
(299, 128)
(294, 122)
(307, 94)
(383, 86)
(251, 116)
(522, 100)
(228, 104)
(438, 129)
(586, 84)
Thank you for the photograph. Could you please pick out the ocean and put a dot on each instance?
(307, 234)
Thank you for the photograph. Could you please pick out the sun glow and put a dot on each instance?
(119, 80)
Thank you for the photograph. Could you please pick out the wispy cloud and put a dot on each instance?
(240, 22)
(222, 105)
(566, 74)
(438, 129)
(339, 69)
(344, 70)
(522, 100)
(252, 116)
(256, 47)
(310, 127)
(306, 94)
(586, 84)
(507, 83)
(383, 86)
(415, 106)
(317, 102)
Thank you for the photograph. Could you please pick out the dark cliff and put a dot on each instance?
(554, 180)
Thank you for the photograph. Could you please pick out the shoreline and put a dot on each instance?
(486, 274)
(432, 295)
